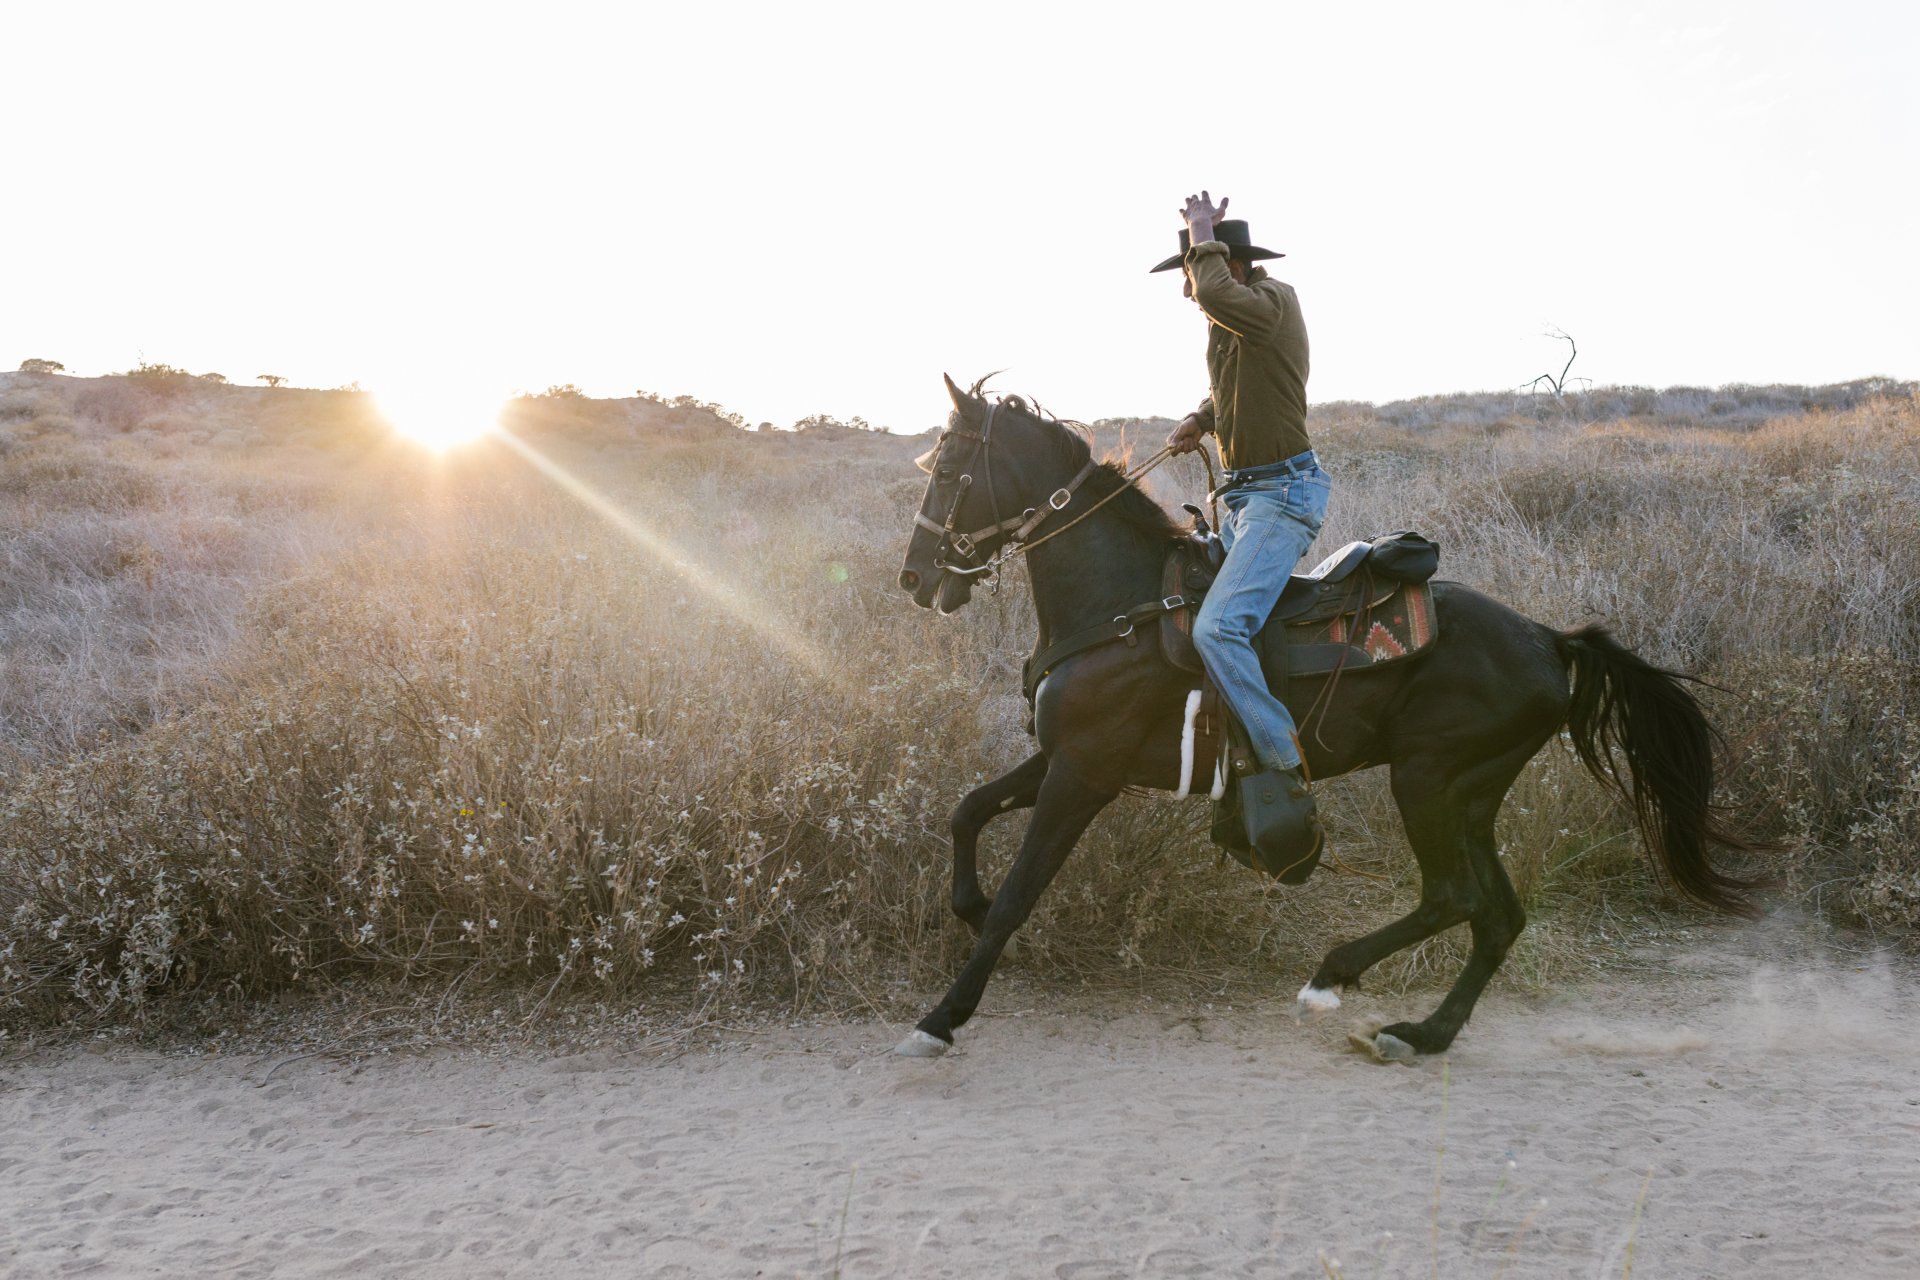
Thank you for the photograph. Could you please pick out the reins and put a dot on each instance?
(1126, 479)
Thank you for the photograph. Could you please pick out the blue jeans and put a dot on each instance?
(1273, 514)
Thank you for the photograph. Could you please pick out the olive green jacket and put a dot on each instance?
(1256, 360)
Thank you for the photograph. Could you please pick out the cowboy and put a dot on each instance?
(1275, 493)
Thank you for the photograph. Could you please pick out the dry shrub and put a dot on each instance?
(1831, 749)
(314, 706)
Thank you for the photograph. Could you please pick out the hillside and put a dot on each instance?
(634, 704)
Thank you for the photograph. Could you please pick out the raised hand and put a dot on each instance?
(1200, 212)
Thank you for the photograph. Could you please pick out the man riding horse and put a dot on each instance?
(1455, 714)
(1275, 492)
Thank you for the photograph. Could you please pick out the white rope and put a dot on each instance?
(1186, 746)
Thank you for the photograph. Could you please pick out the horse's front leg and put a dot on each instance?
(1016, 789)
(1065, 805)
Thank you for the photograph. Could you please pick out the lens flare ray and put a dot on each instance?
(764, 619)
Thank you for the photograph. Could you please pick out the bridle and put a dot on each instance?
(1020, 528)
(968, 546)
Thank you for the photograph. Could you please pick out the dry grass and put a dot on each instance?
(285, 702)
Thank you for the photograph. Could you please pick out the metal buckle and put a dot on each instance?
(1121, 617)
(1060, 499)
(963, 544)
(1171, 603)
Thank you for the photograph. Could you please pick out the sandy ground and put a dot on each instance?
(1763, 1111)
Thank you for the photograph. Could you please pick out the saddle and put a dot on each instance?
(1367, 604)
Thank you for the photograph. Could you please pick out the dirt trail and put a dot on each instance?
(1775, 1101)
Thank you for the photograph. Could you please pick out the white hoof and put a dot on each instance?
(1382, 1047)
(919, 1044)
(1315, 1002)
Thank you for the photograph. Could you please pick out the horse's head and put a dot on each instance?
(987, 474)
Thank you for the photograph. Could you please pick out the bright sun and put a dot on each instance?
(440, 415)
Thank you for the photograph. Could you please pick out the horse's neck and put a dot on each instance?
(1093, 572)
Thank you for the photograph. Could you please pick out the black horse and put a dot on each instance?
(1455, 725)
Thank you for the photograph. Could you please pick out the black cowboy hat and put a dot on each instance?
(1232, 233)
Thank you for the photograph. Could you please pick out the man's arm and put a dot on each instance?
(1247, 311)
(1200, 215)
(1228, 303)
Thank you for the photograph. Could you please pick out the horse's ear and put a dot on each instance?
(961, 400)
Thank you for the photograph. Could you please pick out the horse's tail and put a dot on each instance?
(1623, 702)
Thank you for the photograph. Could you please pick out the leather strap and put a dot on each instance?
(1027, 521)
(1035, 669)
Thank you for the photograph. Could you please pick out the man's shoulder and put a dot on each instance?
(1279, 290)
(1290, 335)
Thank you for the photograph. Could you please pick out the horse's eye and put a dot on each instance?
(944, 475)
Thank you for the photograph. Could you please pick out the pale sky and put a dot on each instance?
(798, 208)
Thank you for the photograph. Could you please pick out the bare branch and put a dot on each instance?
(1557, 384)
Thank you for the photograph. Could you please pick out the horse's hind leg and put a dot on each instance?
(1066, 804)
(1496, 918)
(1448, 891)
(1015, 789)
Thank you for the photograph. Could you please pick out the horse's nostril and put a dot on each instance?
(909, 580)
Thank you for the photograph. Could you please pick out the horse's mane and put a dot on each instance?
(1074, 444)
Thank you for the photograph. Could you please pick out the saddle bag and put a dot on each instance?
(1404, 556)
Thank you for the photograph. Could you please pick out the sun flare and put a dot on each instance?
(440, 416)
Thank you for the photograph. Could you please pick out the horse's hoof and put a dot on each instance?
(919, 1044)
(1382, 1047)
(1315, 1002)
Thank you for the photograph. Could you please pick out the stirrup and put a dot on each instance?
(1283, 824)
